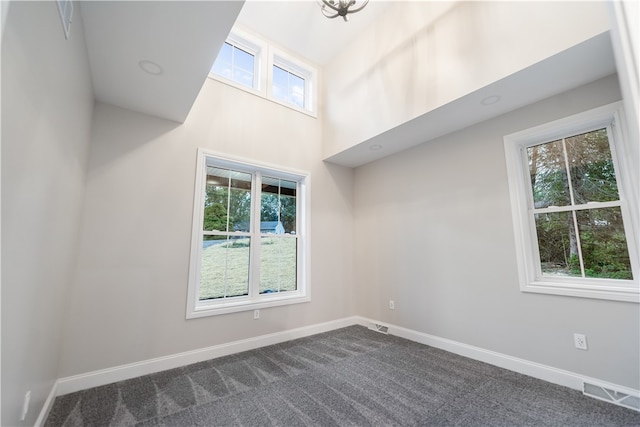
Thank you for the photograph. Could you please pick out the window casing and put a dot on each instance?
(249, 239)
(277, 76)
(575, 234)
(292, 83)
(239, 62)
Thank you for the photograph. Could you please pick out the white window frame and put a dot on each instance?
(297, 67)
(529, 270)
(255, 300)
(257, 48)
(267, 55)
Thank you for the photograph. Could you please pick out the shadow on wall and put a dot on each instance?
(123, 132)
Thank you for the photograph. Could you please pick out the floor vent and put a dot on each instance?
(609, 395)
(379, 328)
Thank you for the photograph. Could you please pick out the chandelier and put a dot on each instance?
(334, 8)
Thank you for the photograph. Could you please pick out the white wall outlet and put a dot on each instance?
(256, 314)
(392, 305)
(25, 405)
(580, 341)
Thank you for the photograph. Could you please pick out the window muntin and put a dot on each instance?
(573, 228)
(247, 249)
(288, 87)
(278, 222)
(235, 64)
(578, 237)
(250, 63)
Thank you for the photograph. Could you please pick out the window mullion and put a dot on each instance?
(254, 259)
(574, 217)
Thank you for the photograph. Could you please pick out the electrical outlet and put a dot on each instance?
(256, 314)
(25, 405)
(580, 341)
(392, 305)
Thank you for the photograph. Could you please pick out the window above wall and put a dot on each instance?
(259, 67)
(575, 232)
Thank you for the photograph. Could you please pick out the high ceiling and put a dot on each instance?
(153, 57)
(177, 42)
(300, 26)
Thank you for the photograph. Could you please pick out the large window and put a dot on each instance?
(572, 221)
(248, 243)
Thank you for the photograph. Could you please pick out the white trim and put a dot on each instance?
(132, 370)
(302, 294)
(293, 65)
(48, 404)
(150, 366)
(536, 370)
(258, 48)
(530, 276)
(268, 54)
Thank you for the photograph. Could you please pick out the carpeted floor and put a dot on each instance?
(351, 376)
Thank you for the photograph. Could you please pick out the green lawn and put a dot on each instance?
(277, 267)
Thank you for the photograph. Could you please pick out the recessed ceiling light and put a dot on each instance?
(490, 100)
(150, 67)
(375, 147)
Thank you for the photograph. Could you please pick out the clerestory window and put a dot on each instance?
(571, 217)
(258, 67)
(238, 61)
(248, 242)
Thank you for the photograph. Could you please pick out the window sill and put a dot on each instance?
(214, 309)
(261, 94)
(612, 293)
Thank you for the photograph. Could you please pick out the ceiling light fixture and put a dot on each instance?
(489, 100)
(150, 67)
(334, 8)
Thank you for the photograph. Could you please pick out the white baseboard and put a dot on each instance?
(48, 404)
(522, 366)
(145, 367)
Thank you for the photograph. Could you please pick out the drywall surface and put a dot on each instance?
(128, 301)
(422, 55)
(47, 104)
(433, 232)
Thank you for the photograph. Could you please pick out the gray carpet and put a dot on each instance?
(348, 377)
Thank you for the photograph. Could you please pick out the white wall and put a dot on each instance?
(47, 105)
(129, 295)
(434, 233)
(422, 55)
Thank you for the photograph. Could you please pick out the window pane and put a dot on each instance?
(604, 244)
(278, 206)
(235, 64)
(548, 175)
(227, 205)
(216, 200)
(592, 175)
(243, 77)
(278, 259)
(222, 66)
(240, 202)
(296, 89)
(280, 83)
(224, 270)
(557, 244)
(243, 60)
